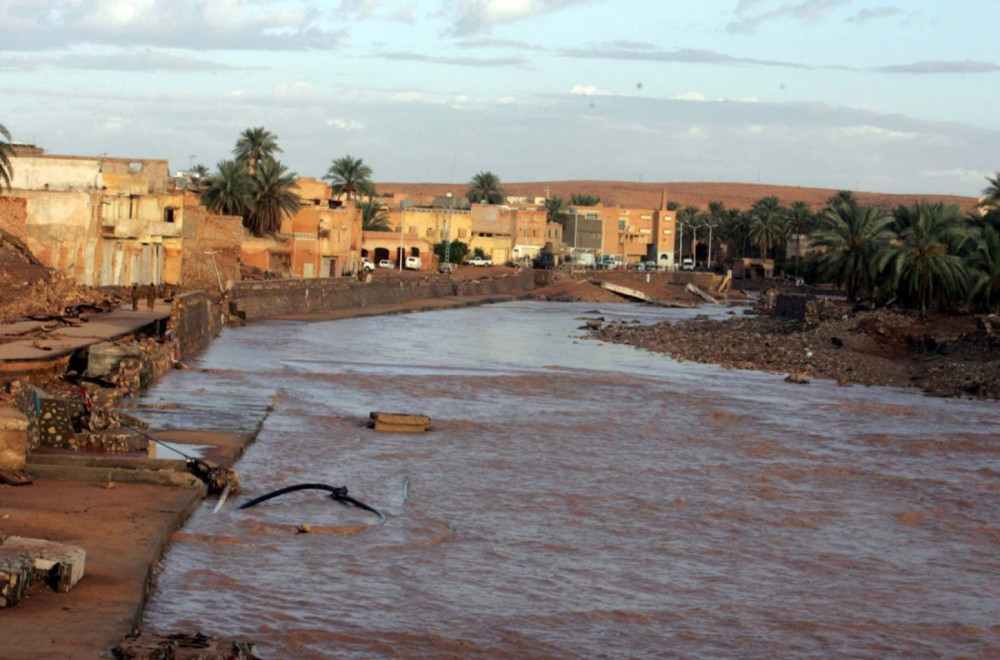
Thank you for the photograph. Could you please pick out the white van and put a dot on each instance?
(413, 263)
(687, 263)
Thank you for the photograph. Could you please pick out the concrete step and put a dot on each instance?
(103, 475)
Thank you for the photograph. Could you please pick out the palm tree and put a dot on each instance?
(350, 176)
(272, 198)
(855, 243)
(580, 199)
(254, 145)
(984, 264)
(372, 216)
(485, 188)
(800, 220)
(198, 175)
(769, 226)
(6, 152)
(555, 210)
(842, 197)
(927, 262)
(227, 192)
(991, 193)
(686, 217)
(735, 231)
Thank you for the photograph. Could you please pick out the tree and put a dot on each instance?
(6, 152)
(580, 199)
(456, 251)
(984, 266)
(227, 192)
(991, 193)
(673, 205)
(769, 226)
(555, 210)
(373, 218)
(272, 198)
(929, 267)
(349, 176)
(686, 217)
(800, 221)
(855, 244)
(735, 230)
(254, 145)
(842, 197)
(485, 188)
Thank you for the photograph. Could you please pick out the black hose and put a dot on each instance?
(338, 493)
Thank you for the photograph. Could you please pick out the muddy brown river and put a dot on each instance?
(577, 500)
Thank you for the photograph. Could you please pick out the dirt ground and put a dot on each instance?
(630, 194)
(944, 355)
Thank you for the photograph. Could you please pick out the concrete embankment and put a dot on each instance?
(273, 298)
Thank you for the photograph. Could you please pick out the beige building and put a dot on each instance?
(102, 221)
(322, 239)
(508, 234)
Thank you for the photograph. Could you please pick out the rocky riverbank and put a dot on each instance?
(944, 355)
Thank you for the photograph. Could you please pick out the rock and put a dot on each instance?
(797, 377)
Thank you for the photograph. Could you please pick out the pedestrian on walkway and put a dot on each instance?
(135, 296)
(151, 297)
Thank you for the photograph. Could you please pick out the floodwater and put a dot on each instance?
(577, 500)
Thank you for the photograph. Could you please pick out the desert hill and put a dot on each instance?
(647, 195)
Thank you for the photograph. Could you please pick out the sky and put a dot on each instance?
(897, 96)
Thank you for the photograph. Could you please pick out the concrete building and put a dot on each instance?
(102, 221)
(322, 239)
(507, 234)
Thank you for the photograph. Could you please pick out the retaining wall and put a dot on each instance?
(269, 298)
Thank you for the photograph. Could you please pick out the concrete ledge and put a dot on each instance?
(103, 475)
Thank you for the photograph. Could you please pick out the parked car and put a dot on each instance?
(479, 261)
(413, 263)
(367, 264)
(687, 263)
(386, 263)
(446, 268)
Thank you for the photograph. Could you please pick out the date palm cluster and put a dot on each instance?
(924, 256)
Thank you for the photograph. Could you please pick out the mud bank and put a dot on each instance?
(943, 355)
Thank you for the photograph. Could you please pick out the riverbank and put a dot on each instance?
(945, 355)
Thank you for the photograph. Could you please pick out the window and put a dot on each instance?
(621, 225)
(169, 214)
(135, 167)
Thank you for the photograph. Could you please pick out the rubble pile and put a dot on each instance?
(866, 348)
(47, 295)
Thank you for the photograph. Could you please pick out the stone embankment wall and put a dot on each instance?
(269, 298)
(194, 319)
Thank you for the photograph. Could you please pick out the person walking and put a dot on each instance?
(135, 296)
(151, 297)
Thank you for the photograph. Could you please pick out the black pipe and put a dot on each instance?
(338, 493)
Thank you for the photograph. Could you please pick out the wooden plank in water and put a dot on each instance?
(400, 422)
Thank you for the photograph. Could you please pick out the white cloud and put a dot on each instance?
(195, 24)
(587, 90)
(478, 15)
(689, 96)
(345, 124)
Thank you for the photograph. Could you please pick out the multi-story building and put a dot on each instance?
(102, 221)
(507, 234)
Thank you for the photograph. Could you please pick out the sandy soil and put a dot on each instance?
(648, 195)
